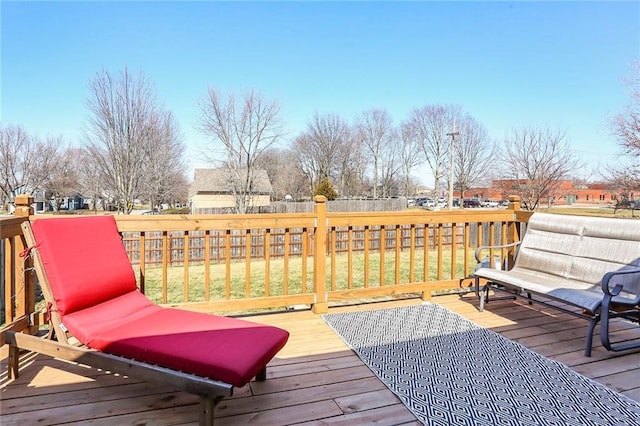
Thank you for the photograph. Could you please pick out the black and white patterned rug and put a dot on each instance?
(449, 371)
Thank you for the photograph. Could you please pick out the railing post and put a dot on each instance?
(513, 231)
(25, 292)
(514, 202)
(321, 305)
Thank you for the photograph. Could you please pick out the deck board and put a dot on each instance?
(314, 380)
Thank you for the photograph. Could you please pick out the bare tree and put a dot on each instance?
(243, 129)
(321, 147)
(474, 155)
(410, 156)
(375, 131)
(626, 128)
(429, 126)
(90, 180)
(121, 127)
(26, 162)
(391, 169)
(303, 146)
(352, 167)
(64, 180)
(390, 165)
(16, 156)
(626, 184)
(163, 165)
(534, 161)
(284, 173)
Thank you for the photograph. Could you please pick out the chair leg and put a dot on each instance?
(262, 375)
(207, 409)
(13, 362)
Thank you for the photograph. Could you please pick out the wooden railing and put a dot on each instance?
(217, 263)
(18, 283)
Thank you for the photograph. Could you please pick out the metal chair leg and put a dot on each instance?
(590, 330)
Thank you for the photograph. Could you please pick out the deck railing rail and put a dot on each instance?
(222, 263)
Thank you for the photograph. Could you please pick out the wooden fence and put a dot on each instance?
(211, 246)
(347, 205)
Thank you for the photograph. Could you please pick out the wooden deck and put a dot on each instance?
(315, 379)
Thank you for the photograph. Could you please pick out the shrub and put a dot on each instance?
(325, 187)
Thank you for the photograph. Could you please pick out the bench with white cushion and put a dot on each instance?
(591, 263)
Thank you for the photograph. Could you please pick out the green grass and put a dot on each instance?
(175, 276)
(594, 211)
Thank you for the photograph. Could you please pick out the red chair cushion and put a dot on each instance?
(84, 260)
(222, 348)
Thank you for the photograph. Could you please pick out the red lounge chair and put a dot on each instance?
(89, 284)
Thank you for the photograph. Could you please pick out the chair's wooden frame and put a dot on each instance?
(209, 391)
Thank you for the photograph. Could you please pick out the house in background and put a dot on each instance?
(74, 201)
(211, 191)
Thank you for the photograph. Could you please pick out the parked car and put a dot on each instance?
(489, 203)
(628, 204)
(425, 202)
(470, 203)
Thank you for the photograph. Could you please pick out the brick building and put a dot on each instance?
(565, 193)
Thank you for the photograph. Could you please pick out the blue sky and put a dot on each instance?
(508, 64)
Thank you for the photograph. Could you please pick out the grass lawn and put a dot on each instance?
(257, 288)
(594, 211)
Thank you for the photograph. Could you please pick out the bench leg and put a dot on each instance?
(484, 297)
(590, 330)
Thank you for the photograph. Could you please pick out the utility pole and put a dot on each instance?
(453, 135)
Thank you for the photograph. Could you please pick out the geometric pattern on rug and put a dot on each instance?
(450, 371)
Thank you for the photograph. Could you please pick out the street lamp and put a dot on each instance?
(453, 135)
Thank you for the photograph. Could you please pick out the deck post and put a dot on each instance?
(514, 202)
(321, 304)
(25, 280)
(513, 230)
(23, 206)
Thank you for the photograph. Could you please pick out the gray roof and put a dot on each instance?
(217, 181)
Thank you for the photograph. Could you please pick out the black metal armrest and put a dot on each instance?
(629, 313)
(612, 292)
(480, 249)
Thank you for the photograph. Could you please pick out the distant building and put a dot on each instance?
(211, 191)
(566, 192)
